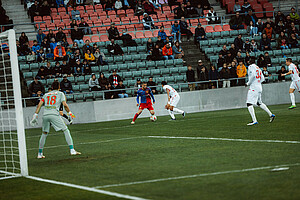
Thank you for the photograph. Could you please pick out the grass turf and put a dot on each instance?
(116, 152)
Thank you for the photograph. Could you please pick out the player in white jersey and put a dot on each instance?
(255, 77)
(293, 70)
(173, 99)
(51, 116)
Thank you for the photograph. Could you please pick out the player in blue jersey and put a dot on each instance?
(145, 94)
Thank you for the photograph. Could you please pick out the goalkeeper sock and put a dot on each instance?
(42, 142)
(178, 110)
(171, 114)
(265, 108)
(251, 111)
(135, 117)
(292, 99)
(65, 116)
(69, 138)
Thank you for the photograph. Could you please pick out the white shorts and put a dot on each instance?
(254, 97)
(174, 100)
(295, 85)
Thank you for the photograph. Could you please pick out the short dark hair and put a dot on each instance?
(289, 60)
(144, 83)
(164, 83)
(55, 85)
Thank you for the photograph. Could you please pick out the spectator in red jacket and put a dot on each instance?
(60, 53)
(167, 52)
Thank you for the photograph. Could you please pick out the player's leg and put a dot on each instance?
(174, 101)
(265, 108)
(292, 95)
(137, 115)
(171, 113)
(252, 99)
(252, 113)
(45, 129)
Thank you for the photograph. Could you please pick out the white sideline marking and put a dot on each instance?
(94, 142)
(196, 175)
(124, 196)
(225, 139)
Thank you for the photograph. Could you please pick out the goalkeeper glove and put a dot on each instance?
(72, 115)
(33, 122)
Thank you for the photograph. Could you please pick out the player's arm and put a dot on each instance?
(152, 96)
(66, 106)
(290, 72)
(138, 99)
(251, 77)
(36, 114)
(168, 93)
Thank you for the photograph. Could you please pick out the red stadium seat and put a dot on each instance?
(61, 9)
(121, 13)
(121, 28)
(111, 13)
(51, 26)
(47, 18)
(166, 8)
(132, 35)
(155, 33)
(130, 15)
(130, 27)
(65, 17)
(102, 14)
(209, 29)
(218, 28)
(60, 25)
(170, 16)
(93, 15)
(252, 2)
(94, 30)
(106, 21)
(168, 32)
(56, 17)
(98, 7)
(226, 27)
(134, 19)
(80, 8)
(125, 20)
(194, 22)
(205, 12)
(116, 20)
(139, 35)
(69, 40)
(161, 17)
(102, 30)
(130, 11)
(270, 11)
(95, 19)
(86, 38)
(95, 38)
(139, 27)
(257, 6)
(89, 22)
(89, 7)
(84, 15)
(53, 10)
(30, 43)
(103, 38)
(38, 19)
(230, 6)
(193, 30)
(70, 9)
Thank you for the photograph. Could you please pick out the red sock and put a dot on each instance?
(135, 117)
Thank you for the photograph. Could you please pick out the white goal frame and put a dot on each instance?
(11, 35)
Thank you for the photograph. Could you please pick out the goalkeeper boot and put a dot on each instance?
(74, 153)
(292, 107)
(40, 155)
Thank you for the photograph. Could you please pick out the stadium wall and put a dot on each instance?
(196, 101)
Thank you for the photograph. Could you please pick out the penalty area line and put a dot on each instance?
(224, 139)
(197, 175)
(124, 196)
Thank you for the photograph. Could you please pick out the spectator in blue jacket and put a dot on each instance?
(75, 14)
(162, 34)
(40, 37)
(60, 3)
(35, 46)
(176, 32)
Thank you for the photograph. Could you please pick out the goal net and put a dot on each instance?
(13, 157)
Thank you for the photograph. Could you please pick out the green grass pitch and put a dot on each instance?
(117, 153)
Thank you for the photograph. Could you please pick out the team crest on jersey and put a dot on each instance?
(147, 91)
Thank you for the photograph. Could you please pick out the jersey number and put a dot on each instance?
(258, 74)
(296, 70)
(51, 100)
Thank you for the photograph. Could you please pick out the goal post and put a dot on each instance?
(13, 155)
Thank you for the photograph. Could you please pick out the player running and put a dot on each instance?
(255, 77)
(295, 80)
(173, 99)
(146, 94)
(52, 101)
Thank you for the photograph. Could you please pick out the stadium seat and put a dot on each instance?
(295, 51)
(95, 69)
(222, 41)
(243, 31)
(170, 79)
(24, 67)
(226, 27)
(218, 28)
(203, 43)
(277, 53)
(76, 88)
(225, 34)
(178, 62)
(127, 58)
(141, 65)
(131, 82)
(103, 38)
(155, 72)
(122, 67)
(174, 71)
(150, 64)
(136, 57)
(34, 66)
(127, 75)
(159, 80)
(160, 64)
(146, 73)
(78, 97)
(95, 38)
(113, 67)
(164, 71)
(182, 70)
(79, 79)
(141, 49)
(209, 29)
(104, 68)
(131, 66)
(28, 75)
(148, 34)
(118, 59)
(169, 63)
(234, 33)
(125, 49)
(88, 96)
(132, 49)
(137, 74)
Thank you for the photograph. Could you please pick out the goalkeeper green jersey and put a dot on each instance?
(52, 101)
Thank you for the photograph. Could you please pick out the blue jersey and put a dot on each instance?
(145, 95)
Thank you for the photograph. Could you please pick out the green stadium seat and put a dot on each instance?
(234, 33)
(158, 80)
(142, 49)
(137, 74)
(136, 57)
(76, 88)
(278, 68)
(87, 96)
(21, 58)
(165, 71)
(216, 34)
(28, 75)
(287, 52)
(122, 67)
(275, 61)
(150, 64)
(78, 97)
(243, 31)
(145, 40)
(79, 79)
(155, 72)
(272, 69)
(127, 75)
(105, 51)
(113, 67)
(178, 62)
(170, 79)
(214, 58)
(131, 82)
(34, 66)
(230, 41)
(95, 69)
(141, 65)
(106, 74)
(179, 78)
(176, 87)
(139, 41)
(298, 58)
(131, 50)
(174, 71)
(160, 64)
(293, 58)
(169, 63)
(209, 51)
(225, 34)
(118, 59)
(87, 78)
(277, 53)
(222, 41)
(119, 42)
(146, 73)
(154, 40)
(203, 43)
(71, 78)
(275, 78)
(24, 67)
(184, 87)
(29, 82)
(125, 50)
(209, 35)
(213, 42)
(295, 51)
(104, 68)
(127, 58)
(84, 87)
(70, 97)
(182, 70)
(131, 66)
(110, 59)
(101, 44)
(274, 45)
(217, 50)
(143, 56)
(282, 60)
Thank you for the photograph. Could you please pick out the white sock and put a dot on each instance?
(178, 110)
(265, 108)
(69, 138)
(171, 114)
(292, 99)
(251, 111)
(42, 142)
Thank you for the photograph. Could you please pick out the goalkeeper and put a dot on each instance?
(52, 101)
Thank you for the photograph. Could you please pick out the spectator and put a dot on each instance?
(40, 36)
(53, 44)
(139, 9)
(109, 95)
(56, 70)
(114, 79)
(237, 7)
(44, 9)
(232, 66)
(75, 14)
(181, 12)
(199, 67)
(252, 29)
(36, 88)
(199, 11)
(77, 35)
(229, 58)
(191, 11)
(294, 16)
(118, 6)
(212, 17)
(60, 3)
(93, 83)
(176, 32)
(155, 3)
(50, 35)
(148, 22)
(60, 35)
(41, 56)
(254, 47)
(103, 82)
(280, 72)
(265, 43)
(266, 74)
(272, 24)
(152, 85)
(66, 68)
(223, 51)
(64, 43)
(30, 58)
(236, 22)
(73, 23)
(260, 26)
(34, 10)
(156, 53)
(221, 61)
(78, 69)
(280, 27)
(212, 76)
(261, 61)
(239, 57)
(199, 33)
(86, 68)
(292, 29)
(247, 59)
(150, 45)
(167, 52)
(282, 41)
(114, 49)
(138, 84)
(35, 48)
(100, 57)
(85, 27)
(128, 4)
(127, 39)
(168, 41)
(66, 85)
(269, 31)
(190, 77)
(177, 51)
(87, 46)
(241, 72)
(279, 17)
(60, 53)
(113, 32)
(238, 42)
(246, 7)
(184, 28)
(149, 8)
(89, 57)
(160, 42)
(247, 46)
(23, 39)
(42, 73)
(225, 75)
(233, 50)
(162, 34)
(203, 76)
(293, 43)
(121, 92)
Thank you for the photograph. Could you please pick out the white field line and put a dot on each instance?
(124, 196)
(197, 175)
(225, 139)
(94, 142)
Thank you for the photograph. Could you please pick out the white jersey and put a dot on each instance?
(255, 77)
(295, 72)
(172, 91)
